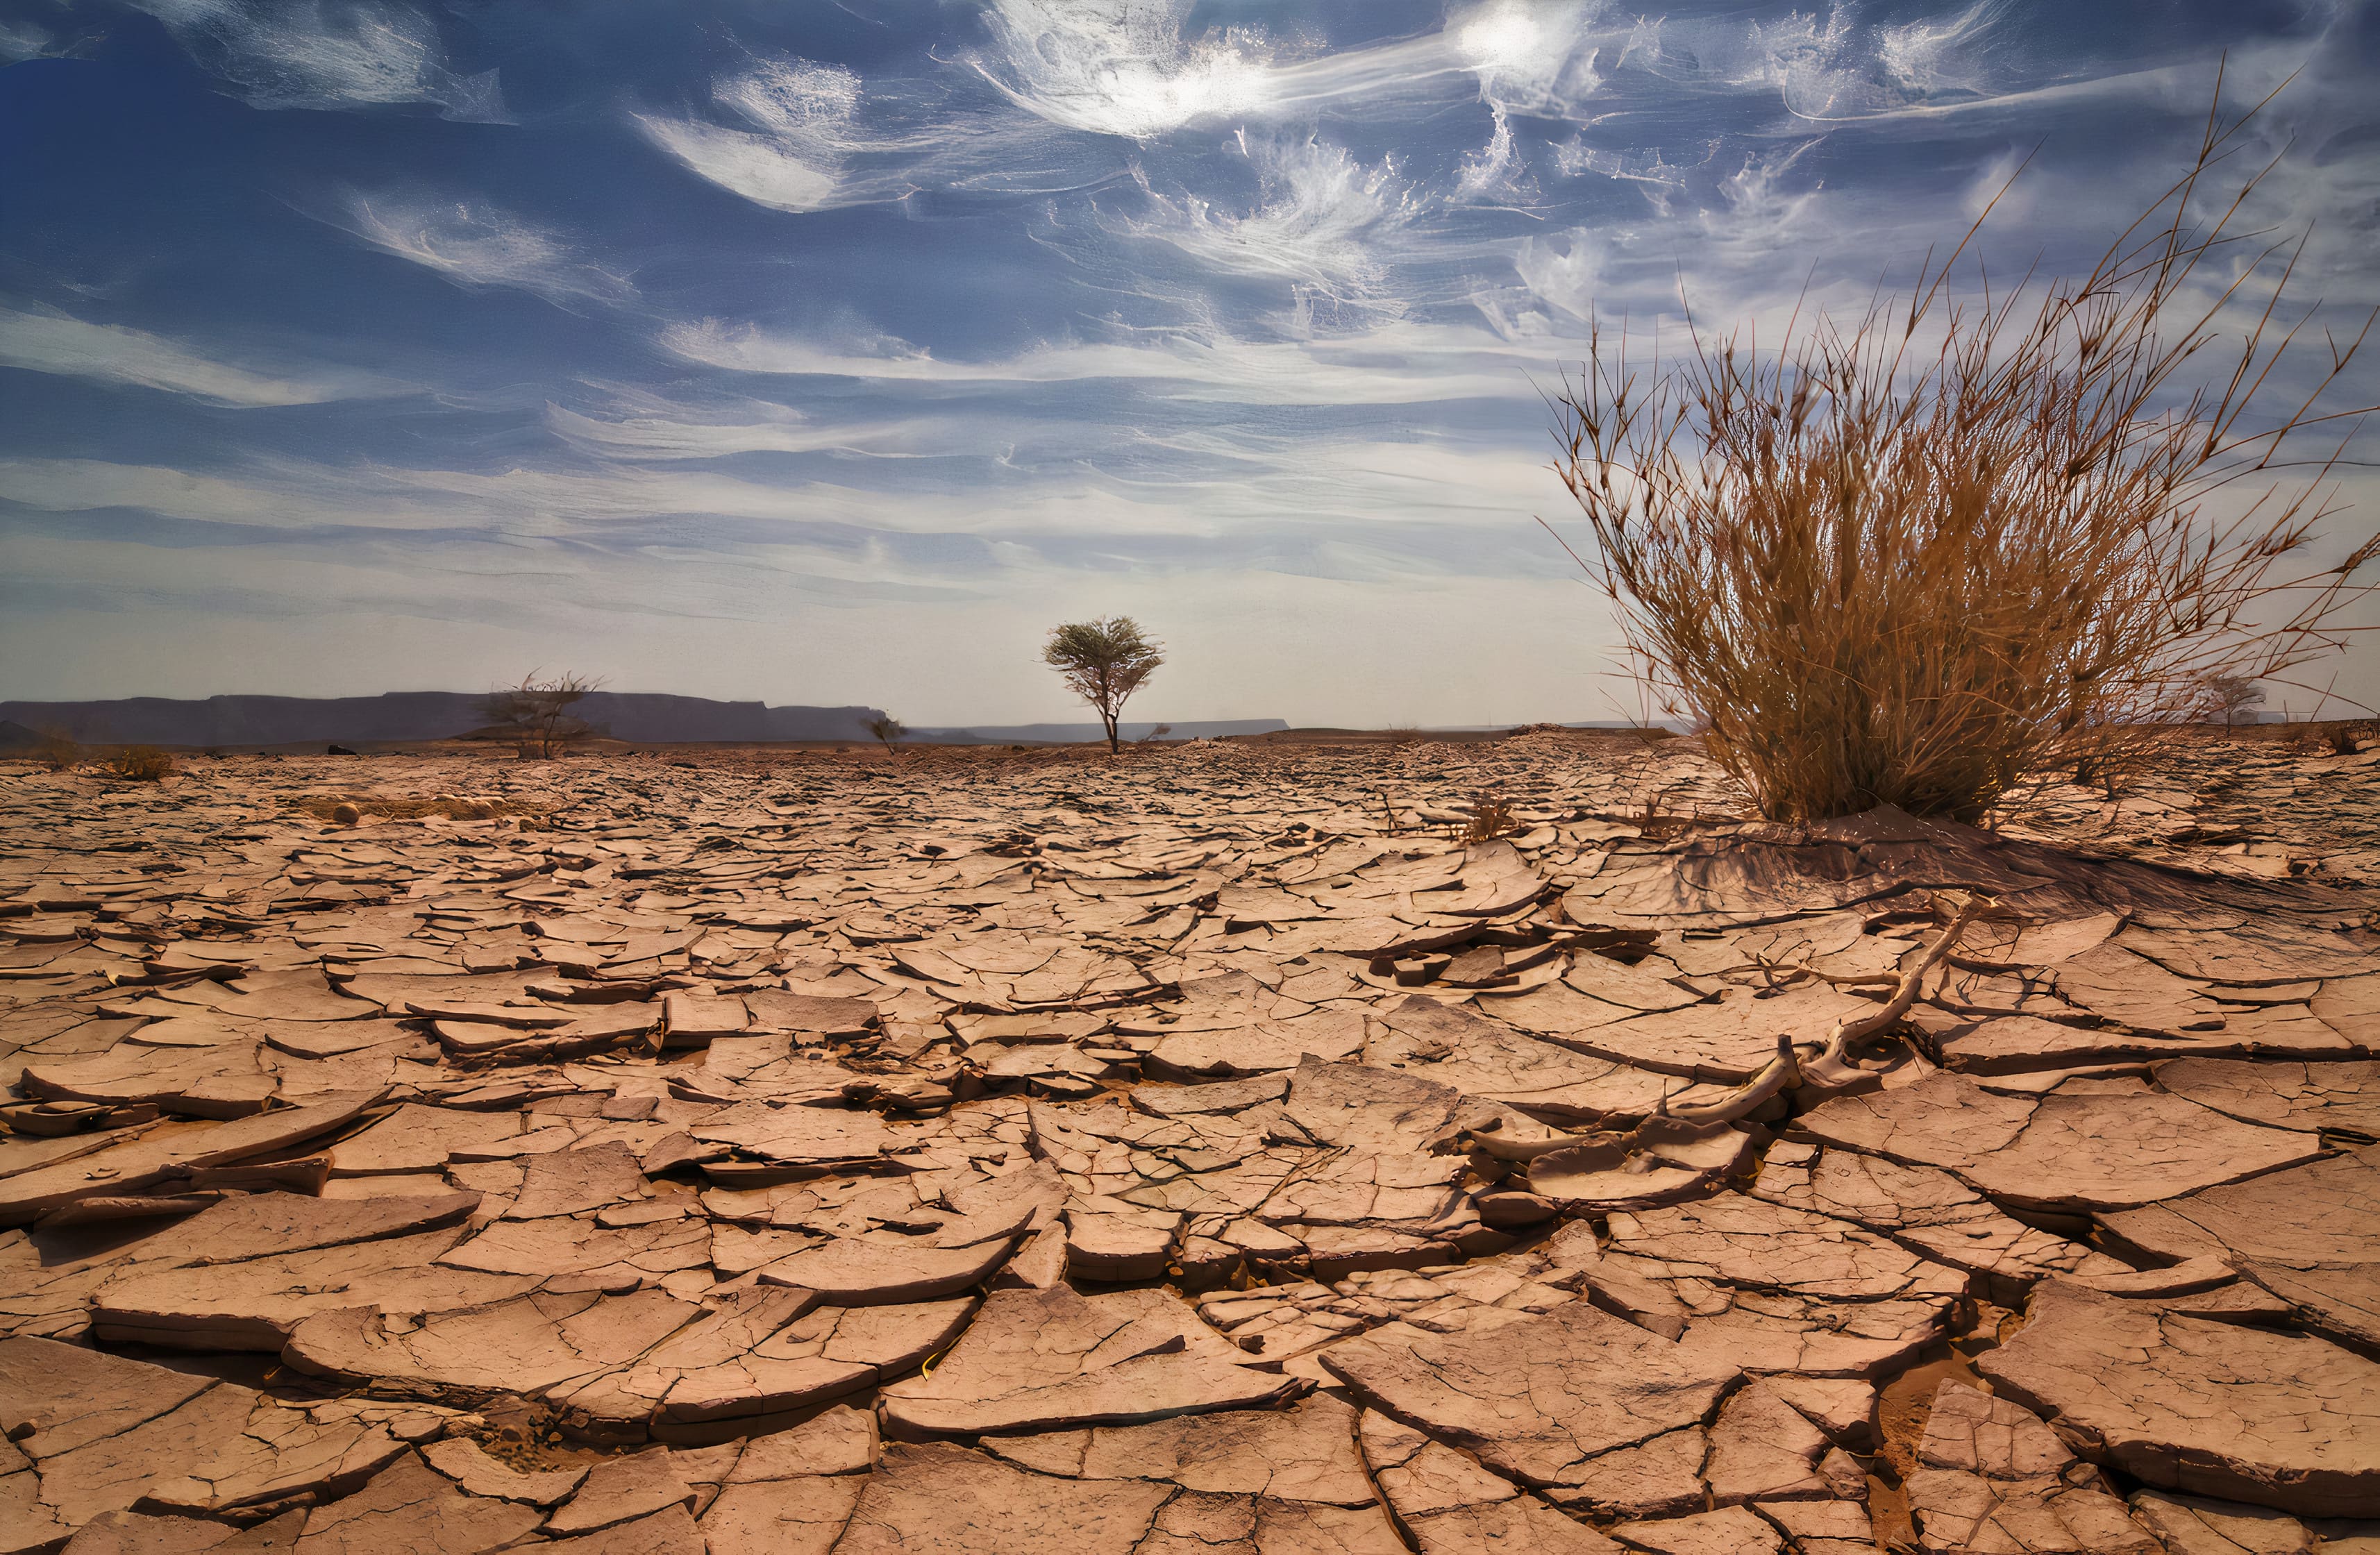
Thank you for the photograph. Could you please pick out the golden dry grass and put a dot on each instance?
(1490, 817)
(1911, 559)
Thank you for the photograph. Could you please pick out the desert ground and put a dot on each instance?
(1307, 1146)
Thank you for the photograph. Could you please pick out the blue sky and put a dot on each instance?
(828, 352)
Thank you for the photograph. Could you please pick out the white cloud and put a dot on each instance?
(476, 243)
(1121, 67)
(1645, 165)
(1562, 270)
(1492, 172)
(56, 343)
(1320, 219)
(1939, 55)
(1533, 57)
(327, 54)
(22, 40)
(795, 99)
(1255, 486)
(646, 427)
(1761, 215)
(1395, 363)
(803, 127)
(759, 169)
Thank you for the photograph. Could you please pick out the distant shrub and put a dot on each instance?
(139, 763)
(535, 715)
(1912, 558)
(2231, 697)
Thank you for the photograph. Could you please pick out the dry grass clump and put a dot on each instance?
(326, 806)
(137, 763)
(1910, 560)
(1490, 817)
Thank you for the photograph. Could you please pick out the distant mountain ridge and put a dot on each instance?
(416, 715)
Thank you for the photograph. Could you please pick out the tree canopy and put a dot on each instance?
(1103, 661)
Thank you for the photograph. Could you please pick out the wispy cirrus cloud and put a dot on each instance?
(1125, 67)
(1320, 219)
(1395, 363)
(476, 243)
(47, 341)
(643, 427)
(327, 54)
(797, 119)
(23, 40)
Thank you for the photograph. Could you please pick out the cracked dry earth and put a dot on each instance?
(1202, 1152)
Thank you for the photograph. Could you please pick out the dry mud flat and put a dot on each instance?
(1206, 1152)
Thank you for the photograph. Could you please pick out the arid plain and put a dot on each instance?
(1294, 1146)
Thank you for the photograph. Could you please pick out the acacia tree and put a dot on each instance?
(536, 714)
(2230, 695)
(1103, 661)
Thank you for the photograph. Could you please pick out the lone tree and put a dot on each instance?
(887, 728)
(1104, 663)
(536, 714)
(2230, 696)
(1913, 556)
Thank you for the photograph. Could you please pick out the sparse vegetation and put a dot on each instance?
(535, 715)
(137, 763)
(2228, 696)
(1490, 817)
(1104, 662)
(887, 729)
(1909, 560)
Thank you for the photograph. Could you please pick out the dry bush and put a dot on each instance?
(1491, 818)
(137, 763)
(1910, 560)
(2230, 698)
(536, 714)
